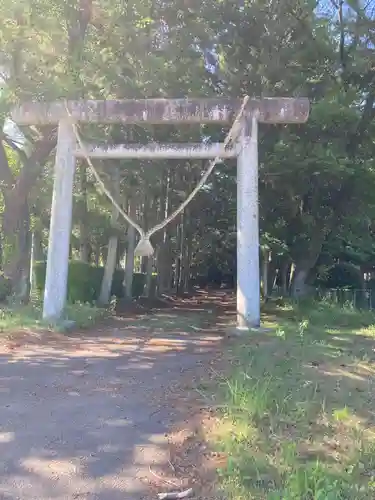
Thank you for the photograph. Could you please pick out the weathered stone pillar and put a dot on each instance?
(61, 223)
(248, 283)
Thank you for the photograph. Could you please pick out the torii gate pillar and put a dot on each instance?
(61, 223)
(271, 110)
(248, 283)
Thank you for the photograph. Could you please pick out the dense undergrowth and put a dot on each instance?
(298, 420)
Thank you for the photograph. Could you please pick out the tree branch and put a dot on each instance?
(35, 163)
(6, 175)
(342, 37)
(16, 148)
(366, 118)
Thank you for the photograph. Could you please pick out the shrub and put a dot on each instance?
(84, 281)
(18, 317)
(138, 285)
(5, 287)
(84, 315)
(342, 275)
(139, 281)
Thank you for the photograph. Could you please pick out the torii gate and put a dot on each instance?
(160, 111)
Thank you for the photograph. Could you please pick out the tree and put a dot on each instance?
(316, 180)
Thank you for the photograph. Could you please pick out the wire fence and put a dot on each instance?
(348, 297)
(357, 298)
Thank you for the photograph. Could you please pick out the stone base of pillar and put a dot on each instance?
(239, 331)
(64, 325)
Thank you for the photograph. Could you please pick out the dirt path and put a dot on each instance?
(87, 417)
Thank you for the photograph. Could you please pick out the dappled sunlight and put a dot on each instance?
(6, 437)
(150, 454)
(88, 414)
(72, 478)
(297, 408)
(367, 331)
(48, 467)
(366, 369)
(106, 347)
(340, 372)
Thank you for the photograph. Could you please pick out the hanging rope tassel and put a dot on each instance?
(144, 247)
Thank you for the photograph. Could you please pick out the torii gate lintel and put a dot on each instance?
(159, 111)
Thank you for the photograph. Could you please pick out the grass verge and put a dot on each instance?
(298, 418)
(21, 317)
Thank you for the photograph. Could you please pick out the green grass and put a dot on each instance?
(21, 317)
(298, 418)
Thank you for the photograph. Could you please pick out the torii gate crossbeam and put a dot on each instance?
(159, 111)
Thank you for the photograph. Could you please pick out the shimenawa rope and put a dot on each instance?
(144, 247)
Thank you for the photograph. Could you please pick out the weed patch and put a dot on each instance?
(21, 317)
(297, 420)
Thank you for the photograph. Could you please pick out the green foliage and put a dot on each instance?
(342, 275)
(317, 185)
(5, 287)
(139, 281)
(16, 318)
(316, 180)
(84, 315)
(84, 282)
(287, 396)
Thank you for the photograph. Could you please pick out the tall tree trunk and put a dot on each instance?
(305, 256)
(290, 268)
(186, 262)
(84, 227)
(36, 255)
(265, 273)
(179, 182)
(16, 217)
(110, 266)
(1, 252)
(284, 275)
(144, 265)
(17, 248)
(149, 269)
(299, 287)
(151, 210)
(97, 255)
(302, 267)
(164, 264)
(164, 254)
(179, 240)
(129, 264)
(38, 249)
(273, 273)
(185, 252)
(32, 263)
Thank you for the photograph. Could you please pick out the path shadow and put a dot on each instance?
(86, 416)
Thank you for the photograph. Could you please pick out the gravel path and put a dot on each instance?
(86, 418)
